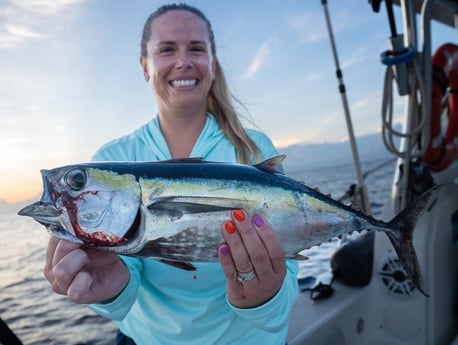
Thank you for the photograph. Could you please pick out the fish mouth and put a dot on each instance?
(48, 215)
(43, 212)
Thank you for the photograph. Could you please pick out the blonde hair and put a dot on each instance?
(219, 99)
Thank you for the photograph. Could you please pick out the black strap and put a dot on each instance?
(321, 291)
(7, 337)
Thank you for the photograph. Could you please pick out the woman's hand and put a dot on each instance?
(84, 275)
(251, 246)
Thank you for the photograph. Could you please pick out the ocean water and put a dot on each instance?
(38, 316)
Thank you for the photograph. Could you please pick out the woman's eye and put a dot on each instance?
(76, 179)
(197, 49)
(166, 50)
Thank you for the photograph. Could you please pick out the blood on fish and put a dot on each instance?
(102, 238)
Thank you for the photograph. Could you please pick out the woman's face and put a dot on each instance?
(179, 62)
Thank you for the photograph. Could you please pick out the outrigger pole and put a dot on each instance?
(361, 190)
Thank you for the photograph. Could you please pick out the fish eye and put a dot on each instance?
(76, 179)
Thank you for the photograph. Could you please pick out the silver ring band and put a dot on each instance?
(244, 277)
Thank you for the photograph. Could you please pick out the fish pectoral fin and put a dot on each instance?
(178, 206)
(179, 264)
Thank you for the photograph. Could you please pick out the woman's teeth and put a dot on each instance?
(183, 83)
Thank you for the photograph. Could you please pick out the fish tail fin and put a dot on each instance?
(408, 257)
(401, 235)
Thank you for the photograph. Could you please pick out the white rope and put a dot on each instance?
(419, 114)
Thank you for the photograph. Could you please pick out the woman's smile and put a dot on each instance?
(182, 83)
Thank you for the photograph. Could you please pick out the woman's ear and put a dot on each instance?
(144, 63)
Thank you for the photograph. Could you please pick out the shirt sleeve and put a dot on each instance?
(120, 306)
(273, 316)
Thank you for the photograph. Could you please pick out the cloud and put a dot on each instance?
(13, 35)
(309, 27)
(259, 59)
(358, 56)
(23, 19)
(44, 7)
(314, 76)
(361, 103)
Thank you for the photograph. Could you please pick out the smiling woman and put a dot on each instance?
(70, 81)
(170, 60)
(246, 293)
(182, 67)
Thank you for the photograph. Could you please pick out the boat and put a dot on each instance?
(370, 300)
(377, 304)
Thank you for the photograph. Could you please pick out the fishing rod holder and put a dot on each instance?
(398, 58)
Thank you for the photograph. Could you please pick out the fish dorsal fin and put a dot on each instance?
(271, 165)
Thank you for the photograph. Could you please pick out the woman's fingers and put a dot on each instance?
(252, 259)
(271, 243)
(234, 235)
(62, 248)
(67, 268)
(227, 264)
(83, 275)
(80, 287)
(253, 244)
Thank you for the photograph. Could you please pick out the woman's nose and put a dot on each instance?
(183, 60)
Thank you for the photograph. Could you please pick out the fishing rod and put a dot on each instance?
(361, 191)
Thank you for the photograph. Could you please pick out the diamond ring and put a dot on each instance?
(244, 277)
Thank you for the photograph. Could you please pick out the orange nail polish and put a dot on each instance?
(229, 226)
(239, 215)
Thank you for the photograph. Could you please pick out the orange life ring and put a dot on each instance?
(442, 149)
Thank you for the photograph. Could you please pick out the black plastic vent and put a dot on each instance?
(395, 279)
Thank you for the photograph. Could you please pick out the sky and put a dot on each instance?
(70, 78)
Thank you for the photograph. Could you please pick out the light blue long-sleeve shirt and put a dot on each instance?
(166, 305)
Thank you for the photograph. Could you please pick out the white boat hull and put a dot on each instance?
(392, 312)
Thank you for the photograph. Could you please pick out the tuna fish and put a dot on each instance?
(172, 211)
